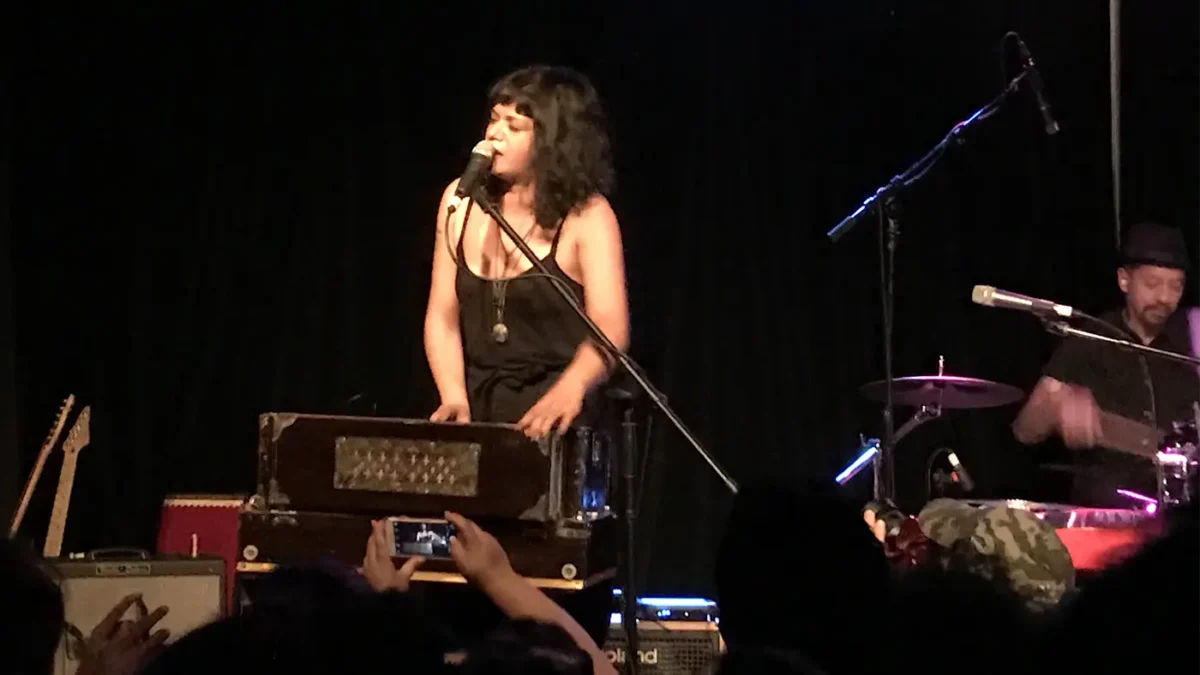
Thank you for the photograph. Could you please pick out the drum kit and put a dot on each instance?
(1175, 460)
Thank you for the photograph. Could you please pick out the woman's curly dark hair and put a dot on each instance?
(572, 154)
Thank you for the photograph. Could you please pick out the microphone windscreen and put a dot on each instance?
(982, 295)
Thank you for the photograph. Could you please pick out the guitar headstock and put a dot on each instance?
(60, 421)
(81, 432)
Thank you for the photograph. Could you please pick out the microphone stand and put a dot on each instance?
(1063, 329)
(884, 203)
(629, 593)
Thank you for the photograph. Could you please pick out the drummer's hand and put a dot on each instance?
(1078, 417)
(452, 411)
(555, 411)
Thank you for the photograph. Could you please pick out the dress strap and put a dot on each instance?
(462, 232)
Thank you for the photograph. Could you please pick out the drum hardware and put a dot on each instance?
(942, 480)
(930, 395)
(1176, 465)
(870, 448)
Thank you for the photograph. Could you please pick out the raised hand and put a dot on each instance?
(378, 567)
(478, 555)
(118, 647)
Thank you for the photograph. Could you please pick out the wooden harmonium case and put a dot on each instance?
(386, 466)
(536, 550)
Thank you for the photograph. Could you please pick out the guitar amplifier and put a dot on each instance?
(271, 538)
(193, 589)
(676, 647)
(388, 466)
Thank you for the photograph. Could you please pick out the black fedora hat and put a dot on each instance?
(1154, 244)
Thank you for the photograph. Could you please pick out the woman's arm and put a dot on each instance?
(602, 268)
(602, 271)
(443, 342)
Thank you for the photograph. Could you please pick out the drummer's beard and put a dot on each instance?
(1153, 317)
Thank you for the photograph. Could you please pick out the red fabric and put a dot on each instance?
(909, 546)
(1096, 548)
(214, 522)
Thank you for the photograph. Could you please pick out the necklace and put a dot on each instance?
(499, 291)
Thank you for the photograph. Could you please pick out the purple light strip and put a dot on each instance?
(1134, 495)
(1151, 503)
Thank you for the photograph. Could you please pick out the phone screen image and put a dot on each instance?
(423, 538)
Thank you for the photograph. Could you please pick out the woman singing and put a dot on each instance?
(502, 344)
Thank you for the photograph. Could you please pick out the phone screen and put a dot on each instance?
(425, 538)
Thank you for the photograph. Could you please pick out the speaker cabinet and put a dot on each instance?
(193, 589)
(675, 647)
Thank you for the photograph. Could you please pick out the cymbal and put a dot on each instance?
(949, 391)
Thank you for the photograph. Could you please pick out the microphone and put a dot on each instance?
(478, 167)
(964, 479)
(990, 296)
(1035, 83)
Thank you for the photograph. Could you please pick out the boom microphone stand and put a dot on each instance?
(884, 203)
(629, 593)
(1061, 328)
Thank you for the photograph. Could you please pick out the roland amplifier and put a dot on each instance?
(193, 589)
(675, 635)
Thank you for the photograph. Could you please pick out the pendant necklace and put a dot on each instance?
(499, 330)
(500, 289)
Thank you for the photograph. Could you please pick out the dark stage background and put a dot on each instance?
(215, 215)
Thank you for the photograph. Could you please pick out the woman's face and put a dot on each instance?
(511, 135)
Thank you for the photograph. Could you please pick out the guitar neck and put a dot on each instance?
(27, 493)
(1126, 435)
(62, 504)
(36, 475)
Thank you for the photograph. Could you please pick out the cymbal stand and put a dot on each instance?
(871, 448)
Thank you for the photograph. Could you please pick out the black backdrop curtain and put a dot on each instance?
(220, 214)
(10, 458)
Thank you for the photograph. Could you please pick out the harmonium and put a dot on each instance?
(322, 479)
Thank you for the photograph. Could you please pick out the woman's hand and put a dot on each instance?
(555, 410)
(452, 411)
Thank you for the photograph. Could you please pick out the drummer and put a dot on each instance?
(1085, 377)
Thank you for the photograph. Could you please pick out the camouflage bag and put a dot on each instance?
(1014, 543)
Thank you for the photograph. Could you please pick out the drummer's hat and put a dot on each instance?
(1154, 244)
